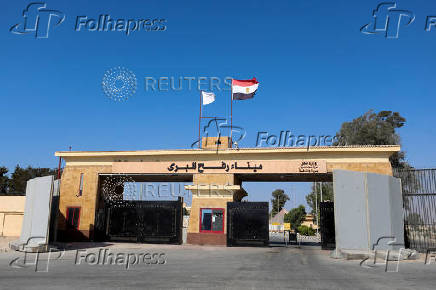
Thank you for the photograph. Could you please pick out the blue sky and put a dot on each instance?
(315, 68)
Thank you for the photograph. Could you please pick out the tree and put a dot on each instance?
(4, 180)
(375, 129)
(380, 129)
(296, 216)
(306, 231)
(315, 195)
(20, 177)
(278, 201)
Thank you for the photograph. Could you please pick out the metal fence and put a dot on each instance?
(419, 202)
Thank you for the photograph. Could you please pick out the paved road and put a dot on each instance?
(213, 267)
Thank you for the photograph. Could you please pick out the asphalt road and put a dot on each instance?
(207, 267)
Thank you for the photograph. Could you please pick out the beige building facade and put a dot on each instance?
(310, 221)
(217, 177)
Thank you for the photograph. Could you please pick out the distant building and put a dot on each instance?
(310, 221)
(278, 219)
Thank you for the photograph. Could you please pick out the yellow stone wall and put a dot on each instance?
(211, 142)
(12, 203)
(11, 215)
(87, 202)
(214, 178)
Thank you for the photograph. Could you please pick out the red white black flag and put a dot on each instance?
(244, 89)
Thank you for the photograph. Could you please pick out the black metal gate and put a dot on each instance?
(247, 223)
(327, 225)
(146, 221)
(121, 215)
(419, 202)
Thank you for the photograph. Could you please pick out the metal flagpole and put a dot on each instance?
(231, 115)
(199, 124)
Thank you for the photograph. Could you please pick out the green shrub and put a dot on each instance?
(306, 231)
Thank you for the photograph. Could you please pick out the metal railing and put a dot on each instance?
(419, 202)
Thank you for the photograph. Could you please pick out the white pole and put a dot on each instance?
(321, 193)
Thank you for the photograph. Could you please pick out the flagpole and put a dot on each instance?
(199, 126)
(231, 115)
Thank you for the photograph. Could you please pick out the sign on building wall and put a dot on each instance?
(226, 166)
(287, 226)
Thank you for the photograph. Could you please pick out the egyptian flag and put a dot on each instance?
(244, 89)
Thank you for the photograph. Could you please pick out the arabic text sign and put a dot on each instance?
(309, 166)
(222, 166)
(201, 167)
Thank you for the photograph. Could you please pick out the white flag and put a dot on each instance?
(207, 98)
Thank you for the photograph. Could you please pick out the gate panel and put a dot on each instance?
(327, 225)
(159, 221)
(122, 222)
(247, 223)
(146, 221)
(419, 201)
